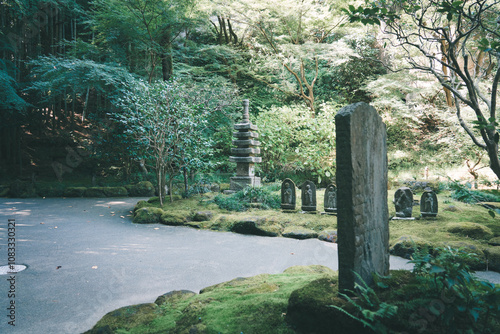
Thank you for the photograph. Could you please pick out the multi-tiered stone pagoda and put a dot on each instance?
(244, 154)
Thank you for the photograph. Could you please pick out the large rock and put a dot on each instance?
(125, 318)
(148, 215)
(255, 226)
(142, 189)
(493, 255)
(471, 230)
(309, 310)
(296, 232)
(362, 214)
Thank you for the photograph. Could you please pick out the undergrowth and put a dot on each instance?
(243, 199)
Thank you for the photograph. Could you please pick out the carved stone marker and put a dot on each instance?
(403, 201)
(362, 213)
(288, 198)
(428, 204)
(245, 153)
(330, 199)
(308, 192)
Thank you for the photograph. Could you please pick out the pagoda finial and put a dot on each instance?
(246, 116)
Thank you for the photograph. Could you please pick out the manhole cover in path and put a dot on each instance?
(11, 269)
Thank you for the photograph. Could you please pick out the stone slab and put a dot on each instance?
(362, 214)
(245, 159)
(246, 126)
(246, 142)
(245, 134)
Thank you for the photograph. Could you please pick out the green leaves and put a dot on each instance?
(370, 15)
(450, 9)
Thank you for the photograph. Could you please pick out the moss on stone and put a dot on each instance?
(297, 232)
(126, 318)
(115, 192)
(142, 189)
(328, 235)
(493, 256)
(406, 245)
(470, 230)
(95, 192)
(74, 191)
(148, 215)
(494, 241)
(175, 218)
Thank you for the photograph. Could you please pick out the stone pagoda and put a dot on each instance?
(244, 154)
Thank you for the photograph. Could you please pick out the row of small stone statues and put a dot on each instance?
(403, 199)
(308, 192)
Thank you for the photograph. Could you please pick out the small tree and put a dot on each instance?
(458, 42)
(160, 116)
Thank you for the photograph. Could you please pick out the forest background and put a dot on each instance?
(121, 91)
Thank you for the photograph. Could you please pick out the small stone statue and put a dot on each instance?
(403, 201)
(331, 199)
(288, 197)
(428, 204)
(308, 196)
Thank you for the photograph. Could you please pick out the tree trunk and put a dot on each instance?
(166, 65)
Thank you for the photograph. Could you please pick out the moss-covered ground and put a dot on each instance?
(457, 224)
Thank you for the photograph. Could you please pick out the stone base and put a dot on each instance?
(428, 215)
(311, 212)
(238, 183)
(308, 208)
(290, 207)
(289, 211)
(401, 218)
(328, 213)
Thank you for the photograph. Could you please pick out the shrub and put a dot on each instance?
(95, 192)
(241, 200)
(142, 189)
(115, 192)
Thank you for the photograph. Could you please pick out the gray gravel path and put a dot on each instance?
(84, 258)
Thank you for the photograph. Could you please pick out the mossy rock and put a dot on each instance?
(493, 256)
(471, 230)
(141, 189)
(174, 218)
(297, 232)
(148, 215)
(126, 318)
(74, 191)
(173, 297)
(50, 189)
(141, 204)
(224, 186)
(223, 223)
(494, 241)
(406, 245)
(202, 216)
(4, 191)
(309, 312)
(312, 269)
(95, 192)
(328, 235)
(255, 226)
(22, 189)
(115, 192)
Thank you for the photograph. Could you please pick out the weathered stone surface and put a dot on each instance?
(254, 226)
(147, 215)
(331, 199)
(406, 245)
(288, 196)
(299, 233)
(328, 235)
(173, 218)
(428, 204)
(362, 214)
(308, 192)
(202, 216)
(403, 201)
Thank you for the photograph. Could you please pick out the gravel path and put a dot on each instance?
(85, 257)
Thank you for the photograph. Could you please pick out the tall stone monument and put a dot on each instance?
(330, 201)
(247, 147)
(403, 202)
(429, 204)
(362, 212)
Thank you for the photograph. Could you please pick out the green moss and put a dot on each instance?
(297, 232)
(95, 192)
(174, 218)
(142, 189)
(470, 230)
(126, 318)
(74, 191)
(493, 255)
(115, 192)
(148, 215)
